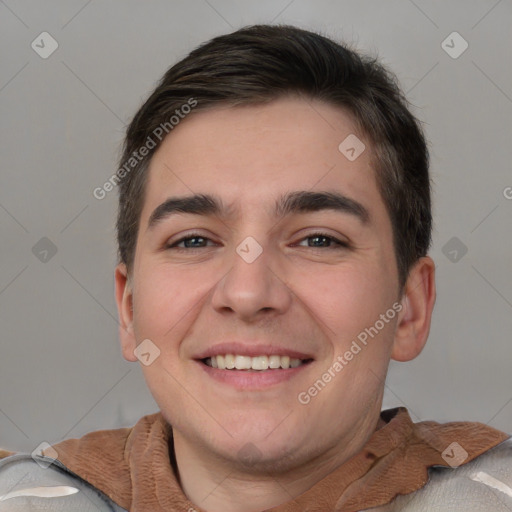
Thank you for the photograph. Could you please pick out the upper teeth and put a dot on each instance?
(230, 362)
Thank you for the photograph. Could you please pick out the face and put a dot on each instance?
(295, 283)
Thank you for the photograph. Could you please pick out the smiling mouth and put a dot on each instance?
(258, 363)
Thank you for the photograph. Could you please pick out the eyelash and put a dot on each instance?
(340, 244)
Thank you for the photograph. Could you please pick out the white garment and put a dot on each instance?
(482, 485)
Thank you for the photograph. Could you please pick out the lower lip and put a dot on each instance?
(252, 379)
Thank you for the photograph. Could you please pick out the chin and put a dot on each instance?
(267, 459)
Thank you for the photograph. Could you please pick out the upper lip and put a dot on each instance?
(252, 350)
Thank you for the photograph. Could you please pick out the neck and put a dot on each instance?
(217, 484)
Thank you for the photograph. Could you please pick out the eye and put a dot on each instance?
(323, 239)
(198, 241)
(191, 241)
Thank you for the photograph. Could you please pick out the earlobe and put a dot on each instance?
(418, 300)
(124, 300)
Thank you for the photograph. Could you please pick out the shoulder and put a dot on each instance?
(483, 484)
(43, 483)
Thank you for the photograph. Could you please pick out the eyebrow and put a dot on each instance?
(286, 204)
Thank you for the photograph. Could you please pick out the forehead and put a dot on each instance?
(250, 155)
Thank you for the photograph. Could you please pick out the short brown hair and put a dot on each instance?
(261, 63)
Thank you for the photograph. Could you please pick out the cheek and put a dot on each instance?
(349, 303)
(346, 299)
(162, 301)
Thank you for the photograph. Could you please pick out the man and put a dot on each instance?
(274, 223)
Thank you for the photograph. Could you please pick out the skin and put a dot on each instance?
(315, 299)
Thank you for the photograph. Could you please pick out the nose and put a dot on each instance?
(253, 287)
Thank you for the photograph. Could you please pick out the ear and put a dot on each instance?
(413, 325)
(124, 300)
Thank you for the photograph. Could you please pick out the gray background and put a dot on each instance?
(62, 122)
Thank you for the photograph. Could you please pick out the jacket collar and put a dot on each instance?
(135, 466)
